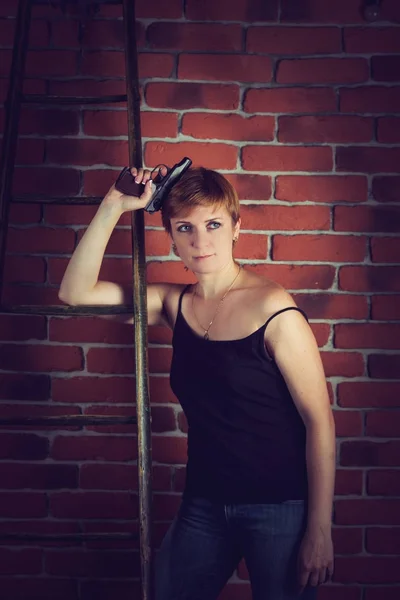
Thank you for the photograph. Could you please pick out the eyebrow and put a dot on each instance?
(206, 221)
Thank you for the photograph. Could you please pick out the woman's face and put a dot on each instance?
(203, 238)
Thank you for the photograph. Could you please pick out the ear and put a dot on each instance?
(236, 228)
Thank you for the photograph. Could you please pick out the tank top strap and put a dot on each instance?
(183, 292)
(284, 310)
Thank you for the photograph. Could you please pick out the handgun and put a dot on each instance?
(162, 185)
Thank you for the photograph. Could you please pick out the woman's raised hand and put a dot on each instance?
(125, 203)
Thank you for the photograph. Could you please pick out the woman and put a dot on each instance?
(247, 371)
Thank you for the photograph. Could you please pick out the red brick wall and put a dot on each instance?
(297, 105)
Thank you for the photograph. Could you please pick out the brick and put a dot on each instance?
(51, 62)
(24, 387)
(241, 10)
(335, 128)
(384, 366)
(366, 394)
(120, 477)
(21, 327)
(369, 279)
(367, 335)
(348, 423)
(209, 155)
(289, 100)
(31, 295)
(235, 67)
(24, 214)
(21, 411)
(297, 277)
(251, 246)
(90, 329)
(236, 591)
(345, 364)
(121, 360)
(171, 272)
(367, 512)
(23, 446)
(114, 123)
(286, 158)
(321, 188)
(48, 121)
(169, 449)
(372, 99)
(92, 563)
(348, 481)
(370, 454)
(158, 243)
(93, 505)
(24, 269)
(332, 592)
(39, 587)
(250, 187)
(381, 540)
(47, 181)
(69, 215)
(319, 248)
(385, 68)
(112, 411)
(30, 151)
(88, 87)
(347, 541)
(163, 419)
(228, 127)
(386, 189)
(385, 250)
(382, 593)
(110, 63)
(367, 159)
(333, 306)
(183, 96)
(344, 12)
(38, 477)
(22, 505)
(284, 218)
(160, 390)
(87, 152)
(97, 33)
(159, 9)
(359, 40)
(7, 31)
(40, 240)
(26, 561)
(385, 308)
(112, 269)
(383, 482)
(323, 70)
(94, 447)
(367, 569)
(157, 334)
(182, 422)
(166, 506)
(34, 357)
(208, 37)
(293, 40)
(8, 8)
(388, 130)
(382, 424)
(108, 590)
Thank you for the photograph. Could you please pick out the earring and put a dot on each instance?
(235, 239)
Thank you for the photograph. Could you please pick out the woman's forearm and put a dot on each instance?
(320, 457)
(83, 269)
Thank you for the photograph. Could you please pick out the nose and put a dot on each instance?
(199, 239)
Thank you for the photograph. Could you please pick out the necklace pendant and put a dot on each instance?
(206, 336)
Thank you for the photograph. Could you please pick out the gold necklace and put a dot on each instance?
(206, 336)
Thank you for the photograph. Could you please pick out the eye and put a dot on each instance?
(183, 228)
(214, 225)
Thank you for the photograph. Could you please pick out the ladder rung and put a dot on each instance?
(47, 99)
(52, 421)
(36, 199)
(67, 310)
(67, 537)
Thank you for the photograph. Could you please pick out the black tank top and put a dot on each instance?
(246, 439)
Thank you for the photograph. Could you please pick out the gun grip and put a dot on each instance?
(126, 184)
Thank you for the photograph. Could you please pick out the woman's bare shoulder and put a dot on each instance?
(270, 295)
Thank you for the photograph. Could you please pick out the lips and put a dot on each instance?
(202, 257)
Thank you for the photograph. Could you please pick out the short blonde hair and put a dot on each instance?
(200, 187)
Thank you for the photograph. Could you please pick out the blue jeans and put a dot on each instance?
(206, 542)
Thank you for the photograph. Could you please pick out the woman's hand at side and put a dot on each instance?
(315, 559)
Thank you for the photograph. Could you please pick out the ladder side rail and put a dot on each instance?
(11, 121)
(140, 310)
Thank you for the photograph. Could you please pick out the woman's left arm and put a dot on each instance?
(290, 341)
